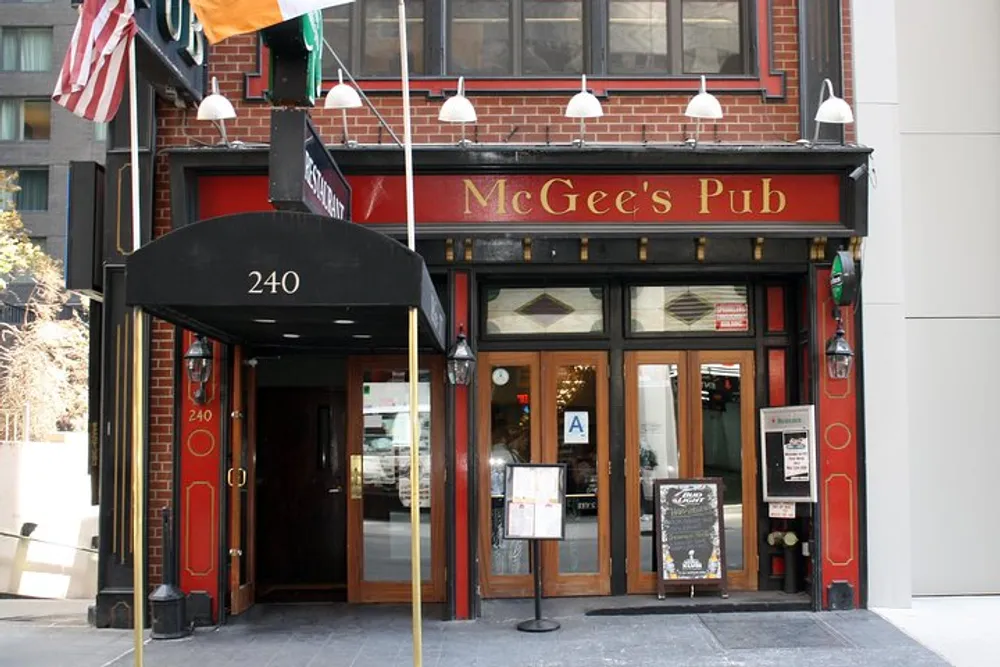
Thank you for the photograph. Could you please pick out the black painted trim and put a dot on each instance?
(475, 599)
(770, 45)
(815, 345)
(861, 435)
(616, 441)
(177, 370)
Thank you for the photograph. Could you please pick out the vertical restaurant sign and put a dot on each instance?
(302, 175)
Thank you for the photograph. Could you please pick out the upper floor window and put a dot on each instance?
(545, 38)
(374, 49)
(25, 119)
(25, 49)
(33, 193)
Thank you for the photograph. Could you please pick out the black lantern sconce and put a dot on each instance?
(839, 354)
(461, 361)
(198, 360)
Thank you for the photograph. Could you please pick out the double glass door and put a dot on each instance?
(546, 407)
(691, 414)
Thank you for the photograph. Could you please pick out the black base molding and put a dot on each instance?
(114, 609)
(840, 596)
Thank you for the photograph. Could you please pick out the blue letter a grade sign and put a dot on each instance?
(576, 428)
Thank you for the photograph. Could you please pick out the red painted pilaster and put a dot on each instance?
(200, 471)
(837, 414)
(461, 417)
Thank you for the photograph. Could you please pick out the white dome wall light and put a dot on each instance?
(833, 110)
(583, 105)
(343, 96)
(703, 106)
(216, 108)
(458, 109)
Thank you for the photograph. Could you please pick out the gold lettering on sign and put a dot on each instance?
(706, 195)
(499, 188)
(569, 197)
(623, 198)
(768, 193)
(661, 201)
(595, 198)
(747, 204)
(516, 202)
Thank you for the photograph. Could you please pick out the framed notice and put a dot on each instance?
(535, 501)
(690, 534)
(788, 453)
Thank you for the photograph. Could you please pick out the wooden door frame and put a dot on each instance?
(747, 577)
(359, 590)
(501, 585)
(543, 365)
(640, 581)
(244, 424)
(597, 583)
(689, 424)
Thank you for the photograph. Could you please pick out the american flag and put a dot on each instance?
(93, 73)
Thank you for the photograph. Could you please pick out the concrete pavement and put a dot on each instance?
(964, 630)
(342, 636)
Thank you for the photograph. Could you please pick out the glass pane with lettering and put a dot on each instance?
(386, 474)
(381, 37)
(510, 442)
(553, 310)
(553, 37)
(480, 37)
(712, 40)
(689, 308)
(637, 37)
(576, 434)
(722, 448)
(659, 452)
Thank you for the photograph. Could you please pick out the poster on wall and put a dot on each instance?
(535, 502)
(788, 453)
(690, 533)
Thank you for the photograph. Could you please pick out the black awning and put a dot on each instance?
(283, 278)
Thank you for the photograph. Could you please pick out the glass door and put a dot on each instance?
(691, 414)
(241, 479)
(379, 485)
(548, 407)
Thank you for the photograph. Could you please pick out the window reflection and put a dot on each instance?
(510, 429)
(553, 37)
(659, 455)
(386, 474)
(480, 38)
(576, 401)
(722, 448)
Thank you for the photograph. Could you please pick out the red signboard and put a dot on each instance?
(732, 317)
(546, 199)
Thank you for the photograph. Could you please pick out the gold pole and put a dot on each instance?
(138, 487)
(138, 384)
(415, 490)
(411, 242)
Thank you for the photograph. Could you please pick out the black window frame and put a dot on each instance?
(752, 306)
(483, 307)
(432, 44)
(591, 18)
(596, 45)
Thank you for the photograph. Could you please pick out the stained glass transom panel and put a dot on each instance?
(544, 310)
(684, 308)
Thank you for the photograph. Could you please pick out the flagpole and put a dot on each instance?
(138, 383)
(415, 577)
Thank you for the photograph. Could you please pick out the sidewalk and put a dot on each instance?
(342, 636)
(964, 630)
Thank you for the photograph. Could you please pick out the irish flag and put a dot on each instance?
(224, 18)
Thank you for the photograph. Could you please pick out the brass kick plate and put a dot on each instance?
(357, 476)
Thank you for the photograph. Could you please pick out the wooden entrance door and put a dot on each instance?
(691, 414)
(525, 399)
(241, 477)
(379, 499)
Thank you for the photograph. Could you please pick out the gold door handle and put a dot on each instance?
(357, 476)
(243, 477)
(229, 477)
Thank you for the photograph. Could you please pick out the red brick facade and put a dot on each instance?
(748, 119)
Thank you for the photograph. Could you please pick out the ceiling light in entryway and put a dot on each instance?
(343, 321)
(362, 336)
(264, 320)
(291, 336)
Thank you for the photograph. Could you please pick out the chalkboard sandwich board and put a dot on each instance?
(690, 535)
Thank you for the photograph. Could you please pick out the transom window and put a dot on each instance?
(689, 308)
(544, 310)
(545, 38)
